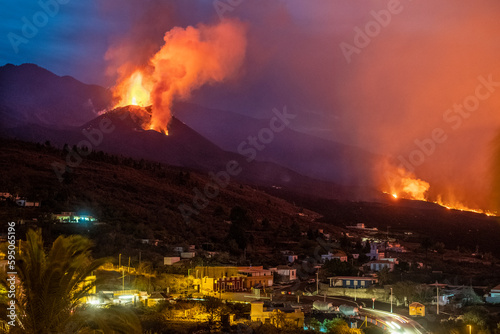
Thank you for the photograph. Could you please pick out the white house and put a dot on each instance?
(179, 249)
(286, 271)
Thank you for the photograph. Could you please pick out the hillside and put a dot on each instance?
(456, 229)
(32, 94)
(135, 198)
(37, 105)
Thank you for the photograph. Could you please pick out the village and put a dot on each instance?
(363, 277)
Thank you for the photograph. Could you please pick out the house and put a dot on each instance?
(188, 255)
(155, 298)
(390, 259)
(271, 314)
(291, 258)
(417, 309)
(397, 248)
(337, 255)
(374, 252)
(229, 284)
(179, 249)
(26, 203)
(288, 273)
(361, 226)
(380, 264)
(494, 295)
(351, 282)
(257, 276)
(170, 260)
(72, 217)
(252, 277)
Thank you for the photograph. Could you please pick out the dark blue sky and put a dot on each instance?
(74, 39)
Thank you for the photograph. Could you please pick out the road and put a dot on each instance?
(396, 323)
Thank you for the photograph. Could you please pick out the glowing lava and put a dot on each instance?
(400, 183)
(133, 91)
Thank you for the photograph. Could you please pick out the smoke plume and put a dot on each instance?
(191, 57)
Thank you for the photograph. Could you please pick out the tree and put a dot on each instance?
(53, 284)
(278, 318)
(339, 326)
(405, 291)
(336, 267)
(384, 276)
(476, 316)
(313, 324)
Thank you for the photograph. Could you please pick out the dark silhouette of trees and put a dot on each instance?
(53, 283)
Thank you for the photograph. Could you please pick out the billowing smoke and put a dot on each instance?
(191, 57)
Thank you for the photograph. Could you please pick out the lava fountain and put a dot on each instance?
(190, 58)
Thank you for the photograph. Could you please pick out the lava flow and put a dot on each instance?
(400, 183)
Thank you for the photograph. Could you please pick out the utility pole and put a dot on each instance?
(437, 298)
(391, 300)
(119, 261)
(128, 270)
(139, 259)
(123, 279)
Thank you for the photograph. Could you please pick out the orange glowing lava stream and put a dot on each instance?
(454, 206)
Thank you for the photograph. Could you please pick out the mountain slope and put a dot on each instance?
(29, 93)
(311, 156)
(137, 199)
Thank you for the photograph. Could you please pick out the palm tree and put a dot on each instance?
(52, 285)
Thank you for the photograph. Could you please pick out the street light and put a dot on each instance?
(470, 329)
(391, 300)
(373, 303)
